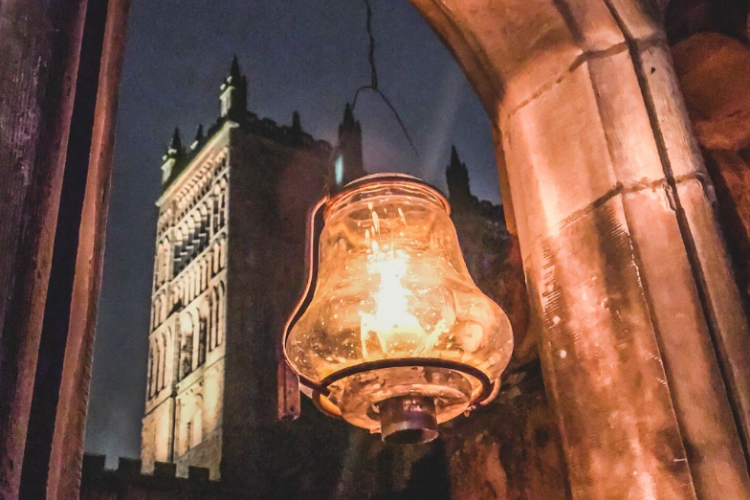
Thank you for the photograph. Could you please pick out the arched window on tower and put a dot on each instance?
(164, 267)
(196, 436)
(156, 313)
(202, 332)
(215, 209)
(157, 370)
(222, 203)
(223, 252)
(191, 237)
(213, 307)
(215, 259)
(150, 384)
(220, 309)
(204, 274)
(177, 258)
(163, 364)
(191, 423)
(204, 227)
(186, 345)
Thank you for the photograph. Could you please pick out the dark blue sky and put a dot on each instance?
(304, 55)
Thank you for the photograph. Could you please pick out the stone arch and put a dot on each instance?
(190, 422)
(196, 436)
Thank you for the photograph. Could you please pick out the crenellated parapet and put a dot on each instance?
(234, 111)
(127, 482)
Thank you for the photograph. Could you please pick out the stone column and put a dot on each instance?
(643, 342)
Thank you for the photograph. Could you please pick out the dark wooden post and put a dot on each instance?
(67, 444)
(44, 367)
(40, 43)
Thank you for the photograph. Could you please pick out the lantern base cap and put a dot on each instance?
(408, 420)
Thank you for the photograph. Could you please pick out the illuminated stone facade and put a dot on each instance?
(187, 369)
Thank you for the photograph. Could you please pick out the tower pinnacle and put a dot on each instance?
(234, 93)
(457, 175)
(198, 137)
(170, 158)
(348, 160)
(175, 145)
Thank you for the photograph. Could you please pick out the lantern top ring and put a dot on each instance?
(402, 182)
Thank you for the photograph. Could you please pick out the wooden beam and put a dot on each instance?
(40, 43)
(67, 444)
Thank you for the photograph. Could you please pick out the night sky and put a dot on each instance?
(304, 55)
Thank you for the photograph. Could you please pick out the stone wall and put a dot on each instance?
(128, 483)
(714, 72)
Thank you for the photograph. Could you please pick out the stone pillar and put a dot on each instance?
(642, 339)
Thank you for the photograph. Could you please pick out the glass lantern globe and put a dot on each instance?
(397, 338)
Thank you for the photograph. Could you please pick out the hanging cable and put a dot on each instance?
(373, 86)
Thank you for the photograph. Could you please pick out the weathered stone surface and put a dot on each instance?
(714, 71)
(596, 144)
(127, 483)
(510, 449)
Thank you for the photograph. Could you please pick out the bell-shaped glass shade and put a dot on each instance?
(392, 285)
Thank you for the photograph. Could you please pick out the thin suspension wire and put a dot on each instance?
(374, 81)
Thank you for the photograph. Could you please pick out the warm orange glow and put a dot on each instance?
(392, 284)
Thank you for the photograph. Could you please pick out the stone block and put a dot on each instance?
(624, 118)
(198, 473)
(93, 465)
(129, 467)
(602, 360)
(164, 469)
(692, 372)
(510, 449)
(592, 24)
(714, 71)
(557, 150)
(664, 96)
(639, 18)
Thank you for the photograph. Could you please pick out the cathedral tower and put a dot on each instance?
(241, 178)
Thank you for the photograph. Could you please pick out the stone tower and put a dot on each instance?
(349, 163)
(228, 181)
(457, 176)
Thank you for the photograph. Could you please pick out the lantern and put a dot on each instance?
(393, 335)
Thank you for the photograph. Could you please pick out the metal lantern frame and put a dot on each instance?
(319, 391)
